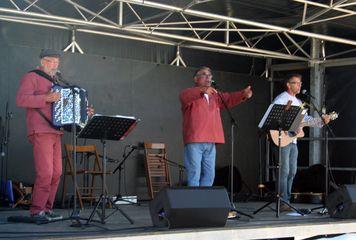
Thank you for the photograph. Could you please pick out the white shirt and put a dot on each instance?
(283, 98)
(206, 96)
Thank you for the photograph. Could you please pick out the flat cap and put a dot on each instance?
(50, 53)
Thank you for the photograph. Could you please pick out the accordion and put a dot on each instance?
(62, 110)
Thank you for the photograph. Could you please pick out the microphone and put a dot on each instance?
(305, 93)
(59, 74)
(214, 84)
(132, 146)
(60, 78)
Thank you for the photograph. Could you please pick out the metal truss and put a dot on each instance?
(341, 7)
(178, 60)
(73, 45)
(335, 9)
(183, 27)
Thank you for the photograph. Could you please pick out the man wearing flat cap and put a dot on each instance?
(34, 94)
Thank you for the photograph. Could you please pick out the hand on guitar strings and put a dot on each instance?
(326, 118)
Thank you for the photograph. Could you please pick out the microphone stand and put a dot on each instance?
(233, 125)
(174, 164)
(2, 155)
(4, 151)
(76, 212)
(119, 168)
(327, 130)
(75, 215)
(61, 79)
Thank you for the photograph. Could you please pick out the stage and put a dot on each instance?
(264, 225)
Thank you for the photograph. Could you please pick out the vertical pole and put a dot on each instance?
(73, 41)
(121, 12)
(104, 196)
(317, 72)
(232, 165)
(269, 76)
(227, 33)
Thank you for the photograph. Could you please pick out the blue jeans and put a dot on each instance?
(199, 161)
(288, 167)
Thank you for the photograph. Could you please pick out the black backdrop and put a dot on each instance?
(145, 90)
(341, 97)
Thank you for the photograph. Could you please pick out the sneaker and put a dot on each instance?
(232, 215)
(285, 208)
(53, 216)
(40, 217)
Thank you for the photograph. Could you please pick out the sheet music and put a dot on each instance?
(277, 116)
(260, 125)
(115, 127)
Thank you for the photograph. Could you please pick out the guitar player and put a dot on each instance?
(289, 154)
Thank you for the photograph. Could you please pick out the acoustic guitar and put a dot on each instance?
(288, 137)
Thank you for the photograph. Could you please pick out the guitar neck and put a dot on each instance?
(313, 122)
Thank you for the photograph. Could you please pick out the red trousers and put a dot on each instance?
(47, 153)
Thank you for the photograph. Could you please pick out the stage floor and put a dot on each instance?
(264, 225)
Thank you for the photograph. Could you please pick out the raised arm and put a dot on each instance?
(189, 95)
(234, 98)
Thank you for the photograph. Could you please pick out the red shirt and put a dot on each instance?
(201, 119)
(32, 94)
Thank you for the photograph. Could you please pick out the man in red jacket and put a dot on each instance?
(202, 126)
(34, 94)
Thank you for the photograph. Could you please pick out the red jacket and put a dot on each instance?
(32, 94)
(202, 120)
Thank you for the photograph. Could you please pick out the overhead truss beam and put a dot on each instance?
(239, 21)
(196, 27)
(337, 6)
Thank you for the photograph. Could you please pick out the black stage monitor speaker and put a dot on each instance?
(342, 202)
(180, 207)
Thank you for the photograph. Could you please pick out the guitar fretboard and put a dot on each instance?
(313, 122)
(319, 121)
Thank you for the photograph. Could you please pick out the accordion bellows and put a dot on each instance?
(62, 110)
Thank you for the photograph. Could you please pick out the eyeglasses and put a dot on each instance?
(205, 75)
(51, 60)
(299, 83)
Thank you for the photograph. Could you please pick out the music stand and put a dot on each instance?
(114, 128)
(282, 118)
